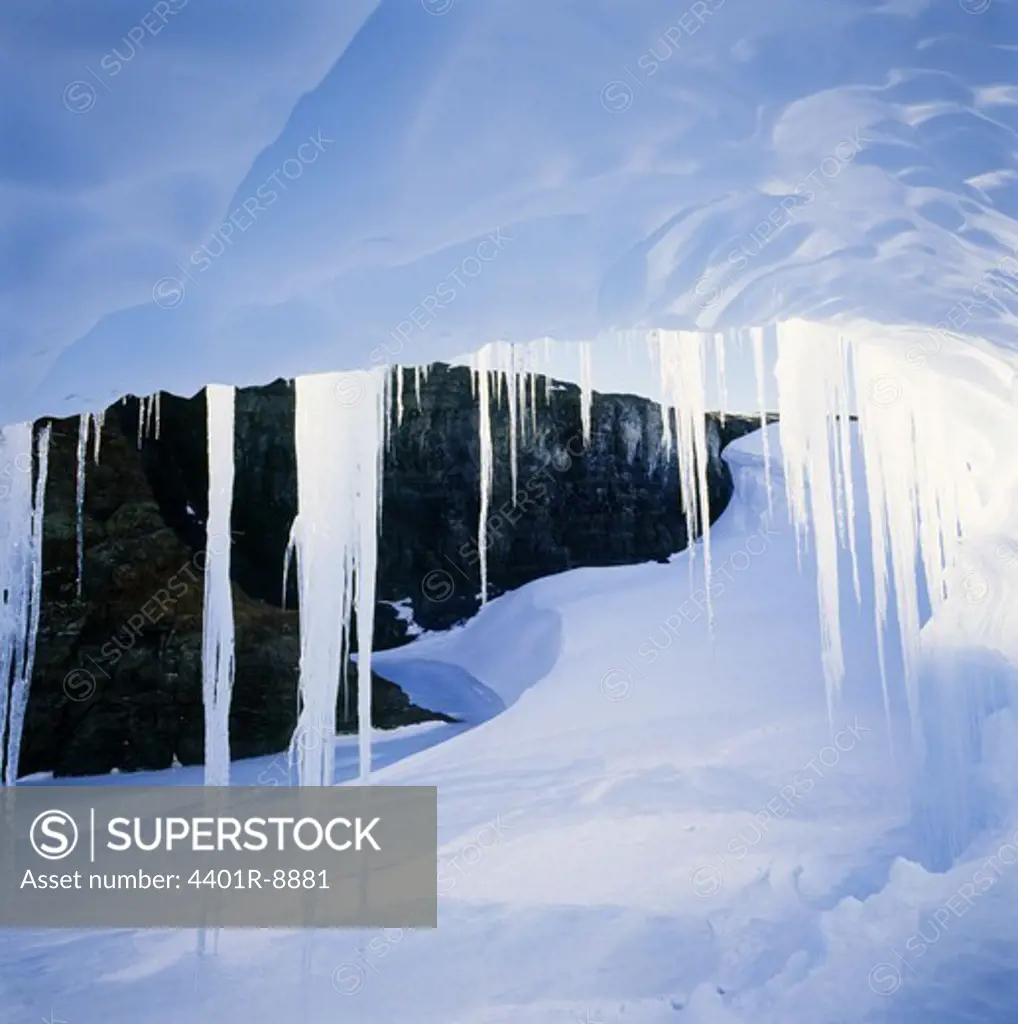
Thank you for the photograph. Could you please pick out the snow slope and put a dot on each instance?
(658, 827)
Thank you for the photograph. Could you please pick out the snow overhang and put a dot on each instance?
(237, 194)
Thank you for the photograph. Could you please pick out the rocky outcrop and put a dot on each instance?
(117, 682)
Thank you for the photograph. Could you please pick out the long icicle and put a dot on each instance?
(809, 372)
(514, 419)
(368, 515)
(484, 425)
(681, 360)
(586, 388)
(719, 363)
(79, 500)
(98, 419)
(218, 658)
(21, 526)
(757, 339)
(335, 537)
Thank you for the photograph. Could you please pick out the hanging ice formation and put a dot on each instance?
(98, 419)
(757, 340)
(149, 416)
(811, 375)
(922, 502)
(484, 425)
(681, 364)
(217, 623)
(921, 499)
(719, 358)
(21, 520)
(586, 388)
(79, 498)
(335, 536)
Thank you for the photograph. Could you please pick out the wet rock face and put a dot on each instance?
(117, 682)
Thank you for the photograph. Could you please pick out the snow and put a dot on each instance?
(748, 179)
(637, 822)
(218, 662)
(404, 610)
(633, 820)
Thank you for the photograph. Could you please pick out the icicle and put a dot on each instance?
(757, 338)
(388, 432)
(141, 419)
(911, 482)
(21, 525)
(513, 403)
(719, 356)
(399, 396)
(682, 390)
(809, 372)
(335, 536)
(79, 499)
(158, 405)
(842, 404)
(151, 409)
(873, 457)
(484, 423)
(586, 388)
(532, 362)
(217, 620)
(417, 385)
(522, 357)
(98, 419)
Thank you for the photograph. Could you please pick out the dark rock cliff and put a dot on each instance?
(117, 682)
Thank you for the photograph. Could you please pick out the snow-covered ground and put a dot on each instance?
(661, 826)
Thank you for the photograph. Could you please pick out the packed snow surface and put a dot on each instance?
(657, 827)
